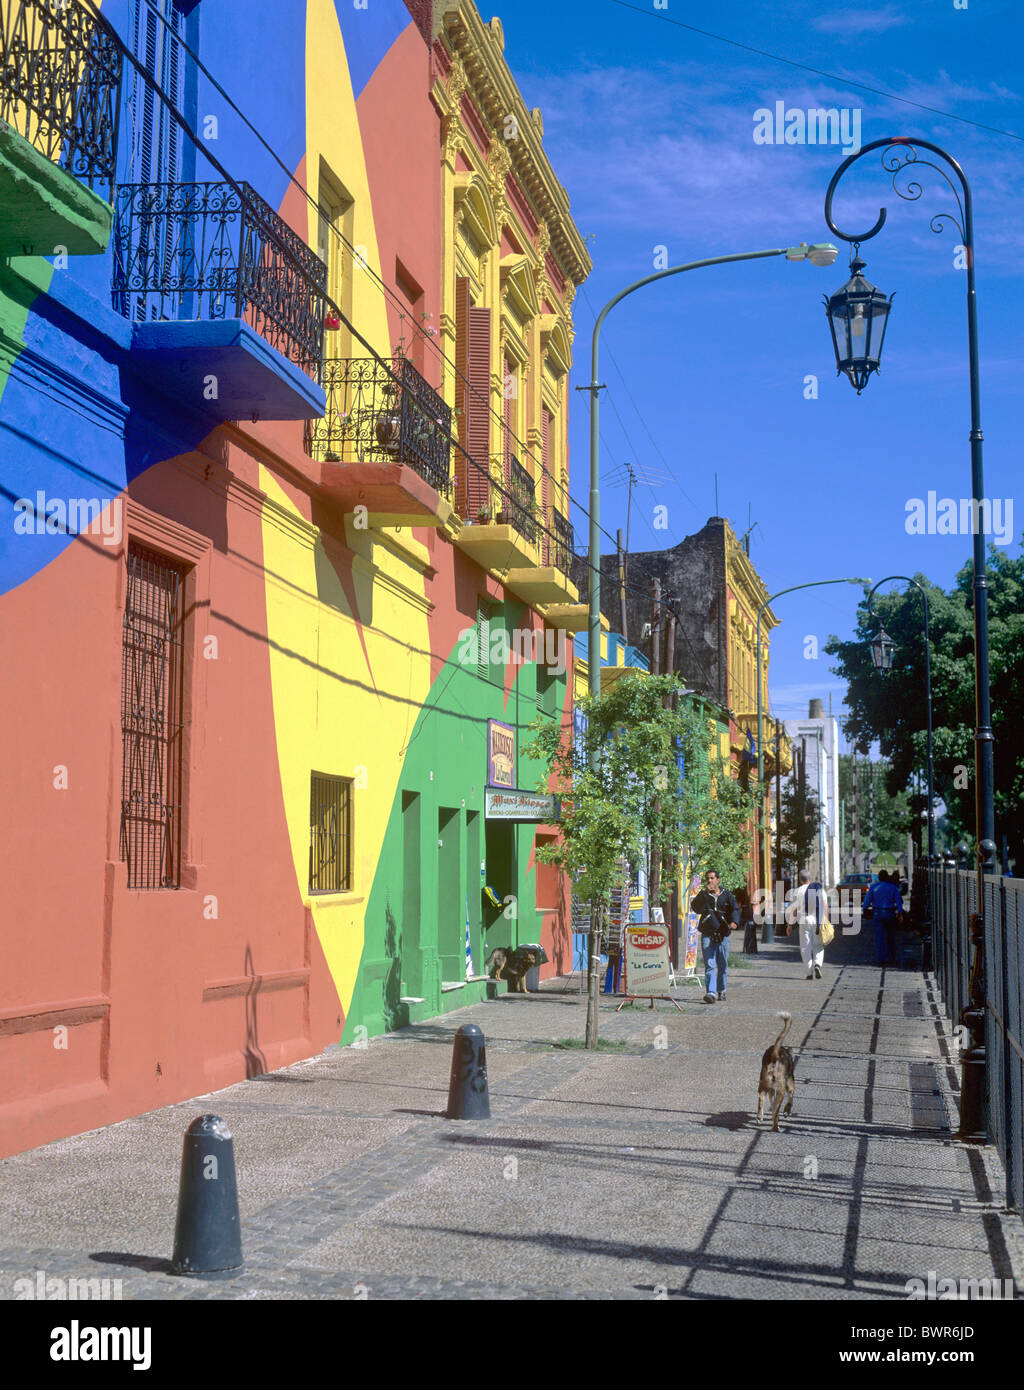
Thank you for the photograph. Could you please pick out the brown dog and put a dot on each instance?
(512, 966)
(776, 1076)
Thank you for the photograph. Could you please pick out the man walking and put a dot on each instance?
(718, 914)
(885, 898)
(808, 910)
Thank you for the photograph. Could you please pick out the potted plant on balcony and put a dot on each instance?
(331, 323)
(387, 427)
(483, 516)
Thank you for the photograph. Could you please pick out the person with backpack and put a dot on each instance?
(808, 909)
(718, 913)
(885, 900)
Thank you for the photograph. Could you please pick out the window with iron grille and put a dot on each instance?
(330, 833)
(152, 729)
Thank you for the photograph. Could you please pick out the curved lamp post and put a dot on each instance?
(882, 648)
(821, 254)
(900, 153)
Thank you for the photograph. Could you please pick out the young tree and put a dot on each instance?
(797, 830)
(623, 796)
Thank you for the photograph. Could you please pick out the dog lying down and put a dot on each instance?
(776, 1075)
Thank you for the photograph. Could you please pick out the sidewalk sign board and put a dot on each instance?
(648, 968)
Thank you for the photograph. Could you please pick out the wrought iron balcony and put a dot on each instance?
(559, 548)
(519, 500)
(376, 414)
(189, 252)
(60, 84)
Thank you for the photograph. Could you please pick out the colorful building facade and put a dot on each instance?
(275, 591)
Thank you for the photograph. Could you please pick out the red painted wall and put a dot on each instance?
(161, 999)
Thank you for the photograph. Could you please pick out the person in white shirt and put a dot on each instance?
(807, 909)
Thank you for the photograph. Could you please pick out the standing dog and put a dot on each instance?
(512, 966)
(776, 1076)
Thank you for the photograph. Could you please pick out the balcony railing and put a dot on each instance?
(377, 414)
(60, 84)
(519, 500)
(192, 251)
(559, 547)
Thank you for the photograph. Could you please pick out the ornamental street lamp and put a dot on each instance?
(900, 153)
(857, 316)
(882, 648)
(819, 254)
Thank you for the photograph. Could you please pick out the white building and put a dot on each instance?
(815, 743)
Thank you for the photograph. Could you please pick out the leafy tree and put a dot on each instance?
(890, 706)
(623, 797)
(718, 820)
(884, 818)
(797, 830)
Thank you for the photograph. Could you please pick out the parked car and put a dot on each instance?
(852, 888)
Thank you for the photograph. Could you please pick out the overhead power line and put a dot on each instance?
(818, 72)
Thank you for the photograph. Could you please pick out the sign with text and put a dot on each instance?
(647, 963)
(692, 931)
(501, 754)
(519, 805)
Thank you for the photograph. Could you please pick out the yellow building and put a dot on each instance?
(745, 594)
(512, 260)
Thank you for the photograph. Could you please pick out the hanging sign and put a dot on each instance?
(521, 805)
(501, 754)
(647, 963)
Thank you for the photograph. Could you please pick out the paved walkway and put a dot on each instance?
(634, 1173)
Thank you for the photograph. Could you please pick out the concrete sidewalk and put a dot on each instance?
(635, 1173)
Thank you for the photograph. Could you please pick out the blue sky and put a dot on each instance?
(650, 128)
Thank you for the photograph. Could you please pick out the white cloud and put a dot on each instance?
(851, 23)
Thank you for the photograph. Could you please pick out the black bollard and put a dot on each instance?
(207, 1236)
(467, 1091)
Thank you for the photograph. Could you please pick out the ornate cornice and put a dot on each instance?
(477, 47)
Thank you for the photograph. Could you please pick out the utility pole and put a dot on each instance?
(669, 665)
(655, 627)
(622, 584)
(857, 863)
(778, 810)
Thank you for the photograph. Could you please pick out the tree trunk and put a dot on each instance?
(593, 969)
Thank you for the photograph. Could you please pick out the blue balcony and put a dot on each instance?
(226, 301)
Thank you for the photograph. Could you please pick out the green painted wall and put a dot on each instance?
(415, 928)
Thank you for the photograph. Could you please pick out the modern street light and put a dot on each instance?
(816, 253)
(882, 648)
(900, 153)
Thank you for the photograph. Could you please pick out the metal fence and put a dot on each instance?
(188, 251)
(60, 84)
(383, 413)
(954, 897)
